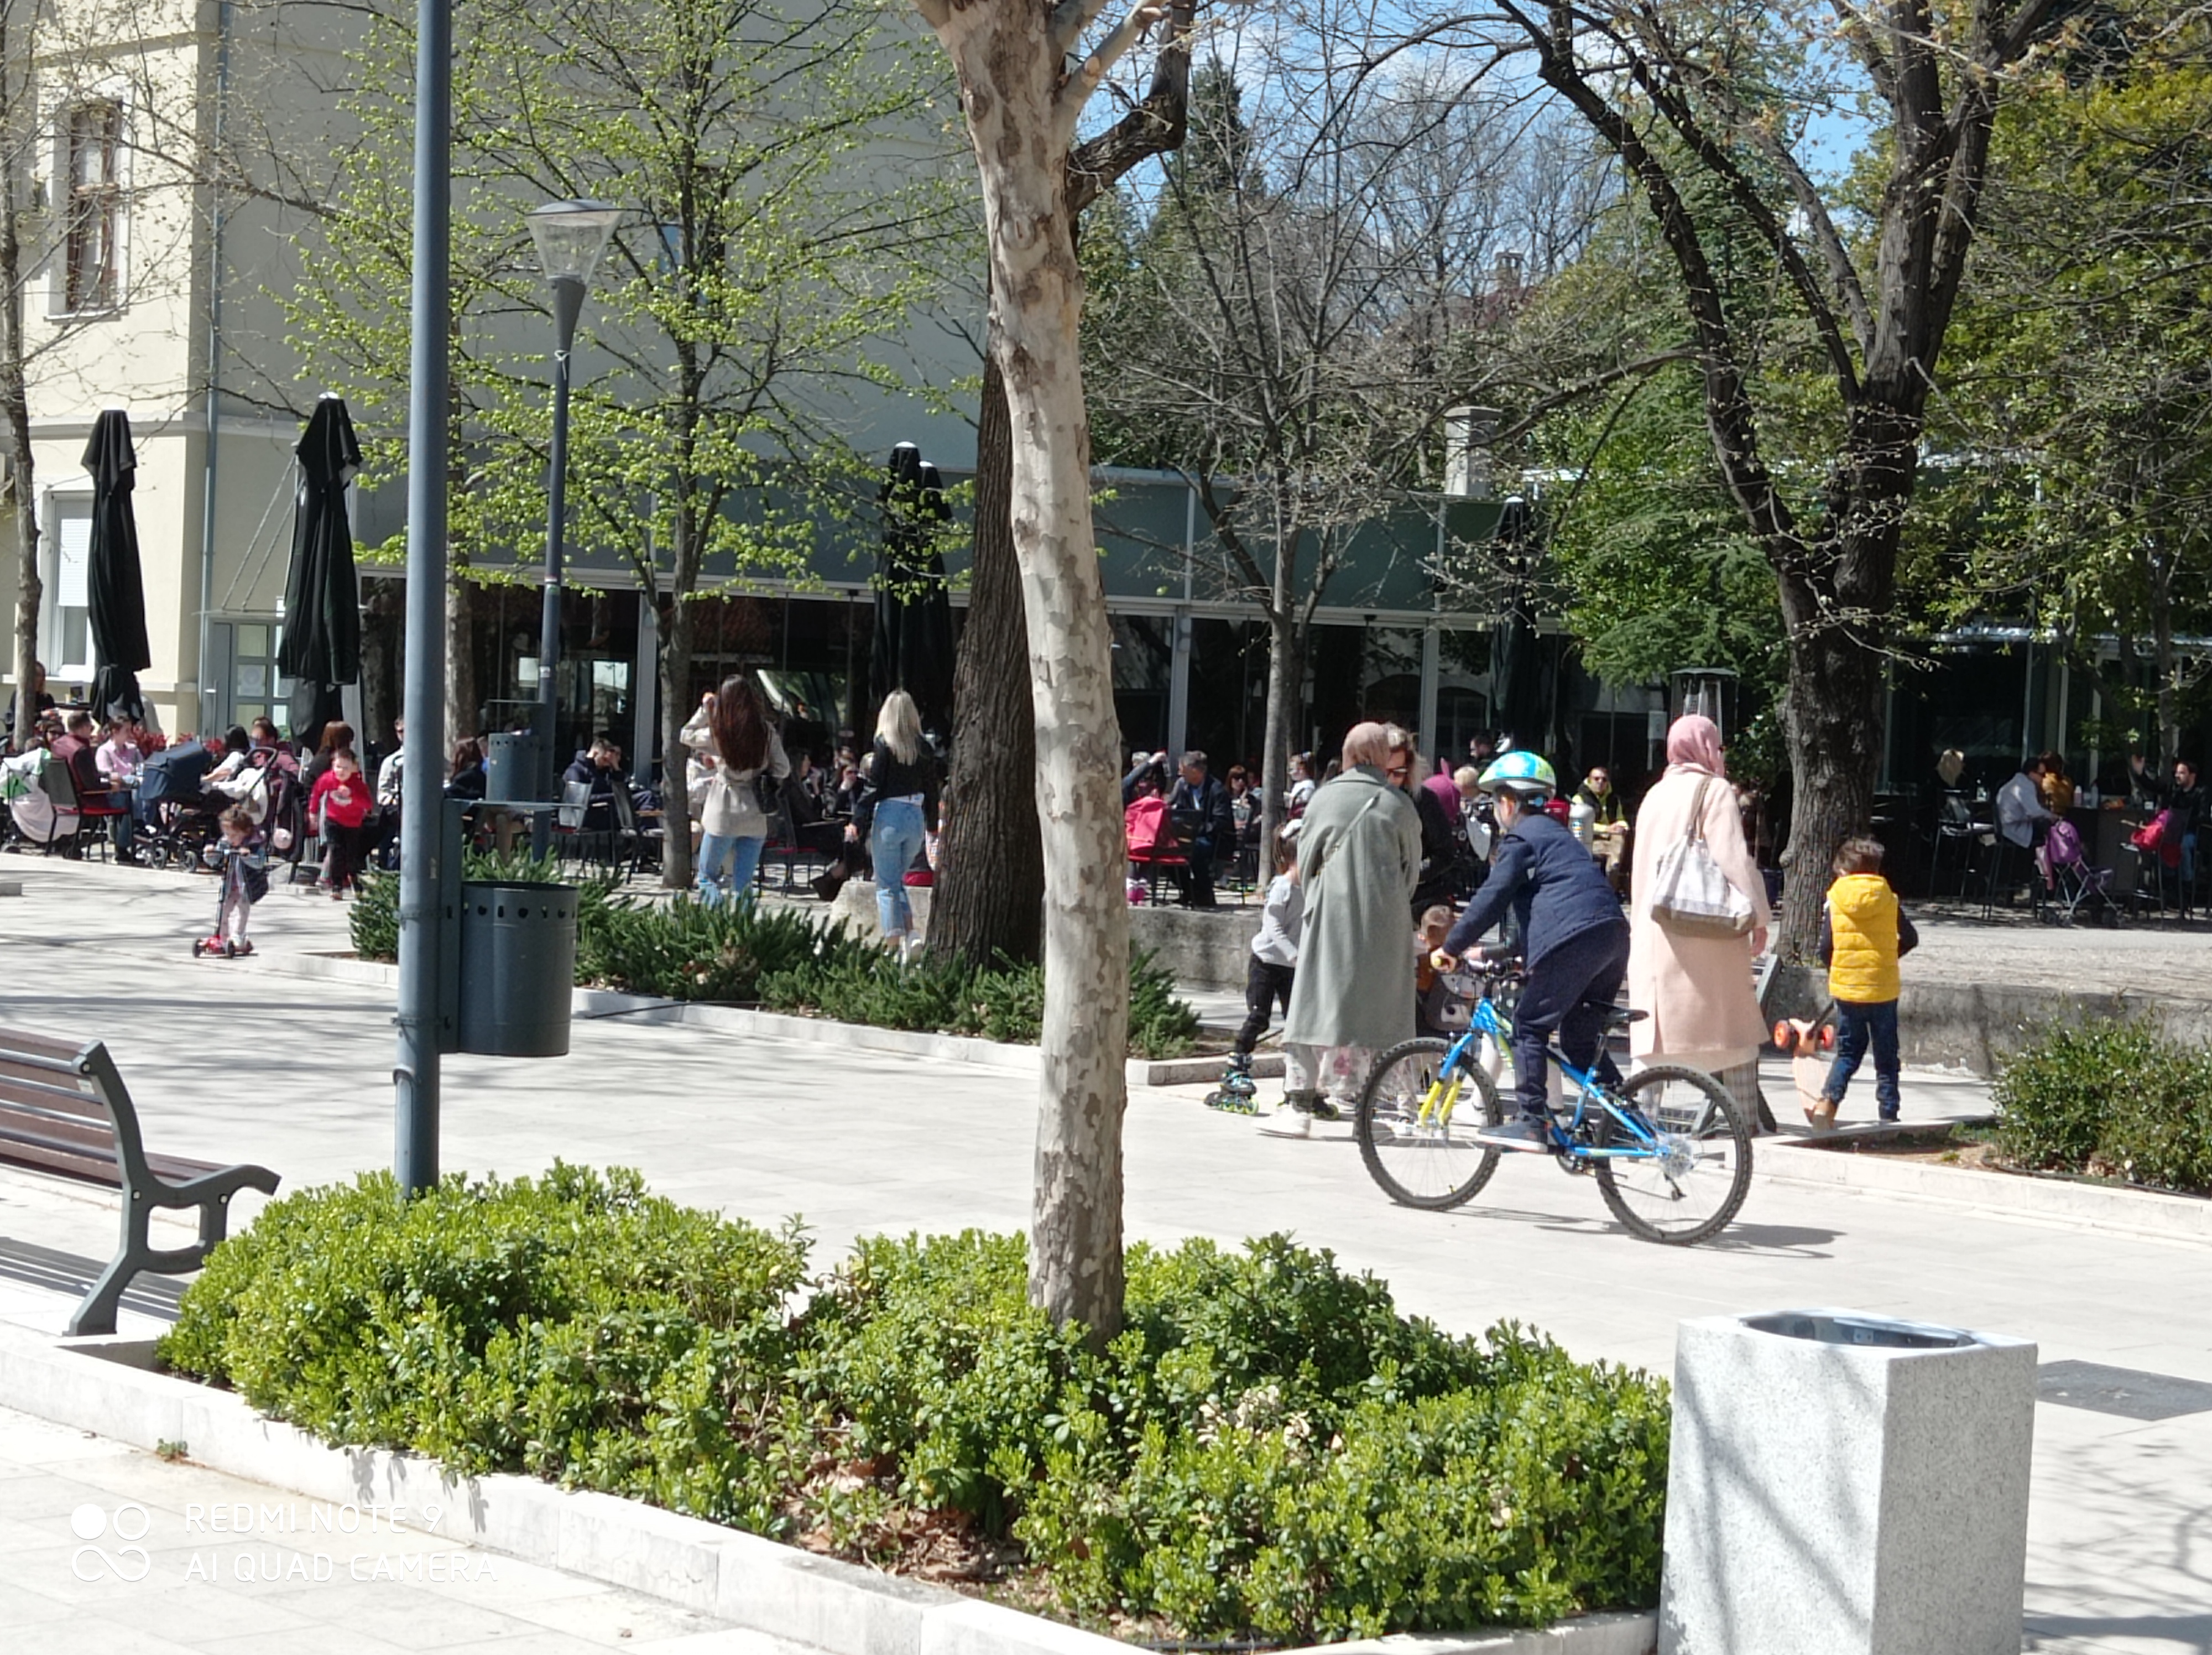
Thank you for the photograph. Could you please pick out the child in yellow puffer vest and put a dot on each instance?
(1863, 933)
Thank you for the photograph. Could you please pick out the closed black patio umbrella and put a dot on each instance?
(321, 651)
(913, 605)
(115, 589)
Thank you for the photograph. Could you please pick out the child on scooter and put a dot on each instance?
(245, 882)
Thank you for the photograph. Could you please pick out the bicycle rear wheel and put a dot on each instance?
(1416, 1126)
(1692, 1185)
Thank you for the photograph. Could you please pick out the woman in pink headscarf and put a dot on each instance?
(1696, 992)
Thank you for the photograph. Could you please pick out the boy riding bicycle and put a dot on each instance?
(1575, 935)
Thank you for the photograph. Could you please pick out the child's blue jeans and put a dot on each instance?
(1858, 1022)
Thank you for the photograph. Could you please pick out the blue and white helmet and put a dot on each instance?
(1525, 774)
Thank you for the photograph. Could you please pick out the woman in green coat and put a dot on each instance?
(1360, 853)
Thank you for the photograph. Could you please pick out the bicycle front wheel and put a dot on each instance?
(1695, 1177)
(1416, 1126)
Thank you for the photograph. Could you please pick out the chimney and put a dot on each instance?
(1468, 434)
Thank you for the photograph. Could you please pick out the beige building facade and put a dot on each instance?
(150, 288)
(146, 288)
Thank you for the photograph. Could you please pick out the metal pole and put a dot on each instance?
(213, 395)
(568, 306)
(414, 1136)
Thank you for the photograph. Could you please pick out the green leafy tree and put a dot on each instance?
(1706, 109)
(1317, 284)
(778, 162)
(1641, 547)
(2081, 421)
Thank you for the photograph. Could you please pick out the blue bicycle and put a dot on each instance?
(1668, 1147)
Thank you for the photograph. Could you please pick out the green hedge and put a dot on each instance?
(1269, 1449)
(784, 961)
(2115, 1099)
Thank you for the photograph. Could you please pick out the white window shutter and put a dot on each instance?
(72, 583)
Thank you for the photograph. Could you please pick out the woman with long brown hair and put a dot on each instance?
(732, 730)
(337, 738)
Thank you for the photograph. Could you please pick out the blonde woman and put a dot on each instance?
(896, 809)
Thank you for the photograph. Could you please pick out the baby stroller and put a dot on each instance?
(176, 819)
(2073, 883)
(31, 809)
(284, 829)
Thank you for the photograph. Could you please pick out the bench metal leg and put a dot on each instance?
(97, 1313)
(215, 1222)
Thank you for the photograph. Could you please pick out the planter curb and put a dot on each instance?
(107, 1386)
(2148, 1213)
(599, 1003)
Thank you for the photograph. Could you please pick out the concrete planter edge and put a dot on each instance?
(2133, 1212)
(107, 1386)
(594, 1003)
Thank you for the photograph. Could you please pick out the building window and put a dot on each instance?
(69, 638)
(95, 146)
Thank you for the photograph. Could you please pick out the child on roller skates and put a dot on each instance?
(245, 882)
(1268, 977)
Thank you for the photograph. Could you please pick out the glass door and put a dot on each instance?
(243, 679)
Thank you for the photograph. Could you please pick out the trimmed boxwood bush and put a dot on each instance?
(2115, 1099)
(786, 961)
(1269, 1449)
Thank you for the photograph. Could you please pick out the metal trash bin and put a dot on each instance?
(1846, 1483)
(506, 767)
(518, 967)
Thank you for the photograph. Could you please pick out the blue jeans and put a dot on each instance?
(894, 842)
(727, 863)
(1859, 1022)
(1571, 990)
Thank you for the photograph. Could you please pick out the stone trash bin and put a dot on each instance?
(1841, 1484)
(518, 968)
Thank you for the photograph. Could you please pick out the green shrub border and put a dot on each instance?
(2112, 1097)
(1267, 1451)
(780, 960)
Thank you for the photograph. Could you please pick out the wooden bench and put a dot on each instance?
(63, 1109)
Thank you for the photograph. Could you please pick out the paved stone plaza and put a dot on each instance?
(252, 1061)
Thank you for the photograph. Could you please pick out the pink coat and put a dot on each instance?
(1703, 1007)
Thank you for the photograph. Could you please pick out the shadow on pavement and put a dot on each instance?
(2188, 1635)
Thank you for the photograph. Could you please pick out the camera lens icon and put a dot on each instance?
(89, 1523)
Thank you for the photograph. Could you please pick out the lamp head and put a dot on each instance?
(571, 235)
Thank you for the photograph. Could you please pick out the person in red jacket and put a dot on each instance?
(340, 806)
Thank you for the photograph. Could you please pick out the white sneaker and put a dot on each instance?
(1287, 1122)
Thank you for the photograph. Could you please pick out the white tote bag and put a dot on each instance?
(1691, 896)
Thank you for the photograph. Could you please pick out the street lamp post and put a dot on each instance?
(570, 236)
(414, 1133)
